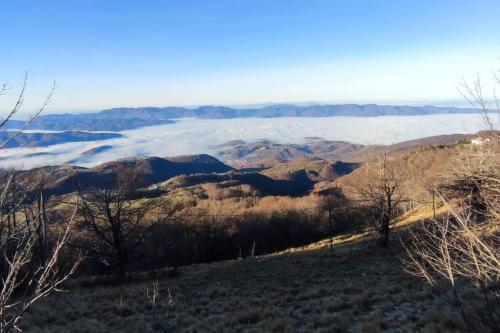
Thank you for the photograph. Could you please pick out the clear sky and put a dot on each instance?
(156, 53)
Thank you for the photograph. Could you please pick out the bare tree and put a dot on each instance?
(474, 93)
(18, 105)
(464, 245)
(383, 190)
(24, 283)
(456, 247)
(113, 219)
(474, 174)
(24, 279)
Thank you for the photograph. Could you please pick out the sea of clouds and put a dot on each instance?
(194, 136)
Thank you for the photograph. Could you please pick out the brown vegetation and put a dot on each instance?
(462, 248)
(135, 228)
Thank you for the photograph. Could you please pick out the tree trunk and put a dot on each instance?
(384, 231)
(42, 229)
(330, 228)
(120, 249)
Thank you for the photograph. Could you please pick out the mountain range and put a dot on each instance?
(280, 110)
(84, 122)
(125, 118)
(45, 139)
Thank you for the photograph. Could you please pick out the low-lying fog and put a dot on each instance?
(192, 136)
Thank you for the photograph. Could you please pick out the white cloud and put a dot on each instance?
(192, 136)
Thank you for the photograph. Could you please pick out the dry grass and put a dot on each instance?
(356, 287)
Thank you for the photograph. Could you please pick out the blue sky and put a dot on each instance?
(135, 53)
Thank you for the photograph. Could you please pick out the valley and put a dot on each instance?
(259, 259)
(240, 141)
(250, 166)
(263, 236)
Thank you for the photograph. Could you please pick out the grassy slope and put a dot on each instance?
(354, 287)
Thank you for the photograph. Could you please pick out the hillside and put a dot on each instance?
(427, 165)
(262, 184)
(294, 179)
(438, 140)
(368, 152)
(313, 169)
(66, 179)
(266, 154)
(356, 287)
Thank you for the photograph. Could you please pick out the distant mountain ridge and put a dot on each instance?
(125, 118)
(69, 122)
(280, 110)
(29, 139)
